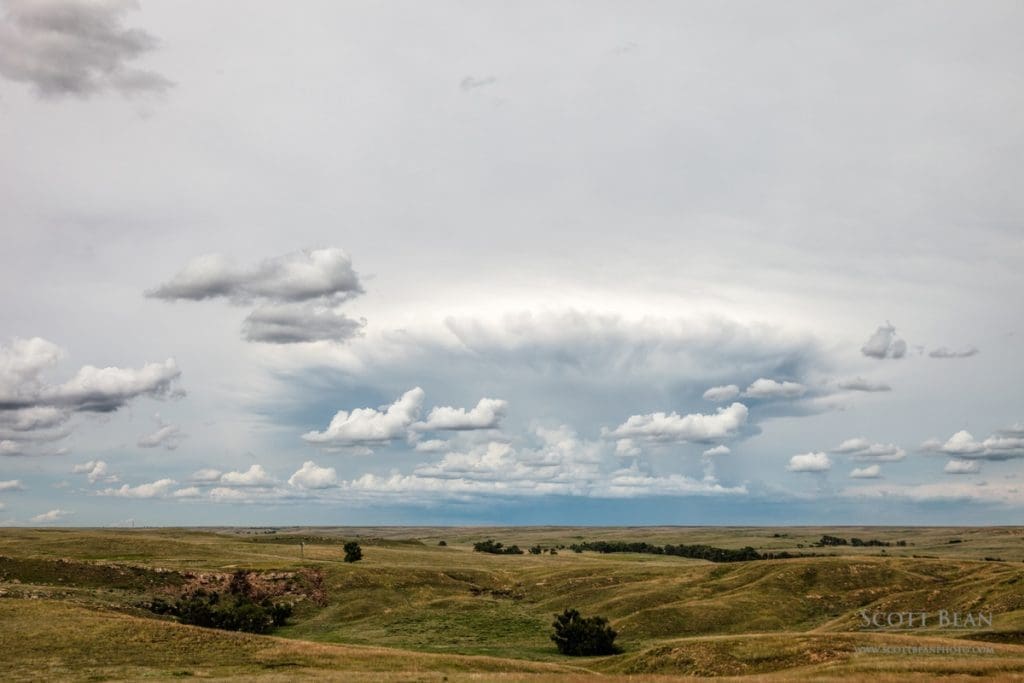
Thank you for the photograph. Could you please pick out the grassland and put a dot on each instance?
(414, 610)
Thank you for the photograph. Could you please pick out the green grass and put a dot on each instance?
(450, 605)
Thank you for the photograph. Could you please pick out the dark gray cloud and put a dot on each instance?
(862, 449)
(1016, 429)
(943, 352)
(299, 276)
(298, 294)
(861, 384)
(297, 323)
(75, 47)
(884, 343)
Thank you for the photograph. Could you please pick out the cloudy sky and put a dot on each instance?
(541, 262)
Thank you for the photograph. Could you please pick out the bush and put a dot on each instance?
(578, 636)
(831, 540)
(442, 543)
(353, 553)
(236, 612)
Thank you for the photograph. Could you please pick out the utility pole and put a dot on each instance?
(302, 549)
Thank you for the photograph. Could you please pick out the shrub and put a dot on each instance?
(237, 612)
(578, 636)
(536, 550)
(831, 540)
(353, 553)
(870, 542)
(442, 543)
(239, 584)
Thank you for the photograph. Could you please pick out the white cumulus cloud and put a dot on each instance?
(51, 516)
(312, 476)
(156, 489)
(94, 470)
(962, 467)
(869, 472)
(1000, 446)
(769, 388)
(207, 475)
(662, 427)
(486, 414)
(722, 393)
(366, 426)
(809, 462)
(254, 476)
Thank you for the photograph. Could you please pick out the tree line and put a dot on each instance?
(698, 552)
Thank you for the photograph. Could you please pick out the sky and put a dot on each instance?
(511, 263)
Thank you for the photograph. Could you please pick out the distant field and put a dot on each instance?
(413, 610)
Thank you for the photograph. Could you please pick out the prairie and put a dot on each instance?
(72, 604)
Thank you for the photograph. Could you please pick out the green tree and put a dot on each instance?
(353, 553)
(577, 636)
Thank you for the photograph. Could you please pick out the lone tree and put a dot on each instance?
(578, 636)
(353, 553)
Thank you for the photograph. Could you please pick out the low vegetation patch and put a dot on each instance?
(63, 572)
(234, 610)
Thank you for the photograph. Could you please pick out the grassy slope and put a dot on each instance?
(49, 640)
(674, 615)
